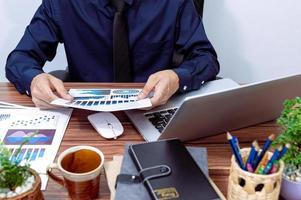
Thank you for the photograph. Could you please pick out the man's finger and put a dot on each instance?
(149, 86)
(45, 94)
(60, 89)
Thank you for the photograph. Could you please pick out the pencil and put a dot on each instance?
(283, 151)
(257, 148)
(262, 164)
(251, 155)
(266, 146)
(235, 151)
(274, 157)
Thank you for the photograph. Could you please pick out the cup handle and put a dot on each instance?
(54, 177)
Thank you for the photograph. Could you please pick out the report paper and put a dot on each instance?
(106, 100)
(42, 129)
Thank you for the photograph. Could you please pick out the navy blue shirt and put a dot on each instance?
(157, 28)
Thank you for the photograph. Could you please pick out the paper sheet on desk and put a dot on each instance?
(49, 127)
(106, 100)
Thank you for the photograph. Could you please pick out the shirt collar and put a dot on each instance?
(106, 2)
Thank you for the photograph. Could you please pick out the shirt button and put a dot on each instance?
(185, 87)
(203, 82)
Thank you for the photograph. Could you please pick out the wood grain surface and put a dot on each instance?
(80, 132)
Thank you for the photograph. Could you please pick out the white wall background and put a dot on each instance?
(255, 40)
(15, 15)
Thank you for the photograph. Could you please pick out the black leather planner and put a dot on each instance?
(169, 171)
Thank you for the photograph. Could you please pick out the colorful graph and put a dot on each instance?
(40, 120)
(126, 91)
(88, 98)
(33, 137)
(30, 154)
(4, 117)
(89, 92)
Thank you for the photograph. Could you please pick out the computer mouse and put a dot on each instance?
(106, 124)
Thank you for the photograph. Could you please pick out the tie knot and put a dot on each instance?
(118, 4)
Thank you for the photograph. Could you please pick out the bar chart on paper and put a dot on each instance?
(33, 136)
(104, 99)
(30, 154)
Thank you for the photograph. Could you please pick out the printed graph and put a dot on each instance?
(30, 154)
(33, 137)
(35, 120)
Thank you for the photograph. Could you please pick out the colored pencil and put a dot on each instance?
(236, 141)
(252, 153)
(266, 146)
(235, 151)
(283, 151)
(262, 164)
(257, 148)
(249, 167)
(275, 167)
(274, 157)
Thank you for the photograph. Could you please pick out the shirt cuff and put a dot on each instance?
(27, 79)
(185, 79)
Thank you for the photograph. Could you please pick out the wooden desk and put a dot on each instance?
(80, 132)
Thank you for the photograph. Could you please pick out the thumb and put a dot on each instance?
(148, 87)
(60, 89)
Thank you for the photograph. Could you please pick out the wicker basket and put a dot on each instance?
(33, 194)
(249, 186)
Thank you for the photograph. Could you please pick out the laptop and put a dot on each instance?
(218, 106)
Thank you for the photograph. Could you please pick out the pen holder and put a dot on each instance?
(246, 185)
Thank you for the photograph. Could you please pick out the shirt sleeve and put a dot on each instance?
(200, 60)
(38, 45)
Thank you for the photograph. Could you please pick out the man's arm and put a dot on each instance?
(38, 45)
(200, 60)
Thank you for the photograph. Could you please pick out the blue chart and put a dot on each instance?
(30, 154)
(127, 91)
(31, 136)
(100, 103)
(4, 117)
(118, 96)
(89, 92)
(41, 120)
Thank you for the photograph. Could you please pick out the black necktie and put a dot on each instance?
(121, 53)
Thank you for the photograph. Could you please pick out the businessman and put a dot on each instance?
(114, 41)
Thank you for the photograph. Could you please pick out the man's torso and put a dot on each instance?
(86, 28)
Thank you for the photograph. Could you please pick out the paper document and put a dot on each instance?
(43, 130)
(104, 99)
(11, 106)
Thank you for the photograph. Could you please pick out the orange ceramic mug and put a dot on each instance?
(80, 167)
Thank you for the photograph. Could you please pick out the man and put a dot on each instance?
(114, 40)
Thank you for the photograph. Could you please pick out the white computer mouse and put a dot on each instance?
(106, 124)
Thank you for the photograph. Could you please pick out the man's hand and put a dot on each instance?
(163, 83)
(46, 88)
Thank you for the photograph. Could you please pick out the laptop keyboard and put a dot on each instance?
(160, 118)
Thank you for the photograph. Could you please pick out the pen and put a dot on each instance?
(235, 151)
(266, 146)
(274, 157)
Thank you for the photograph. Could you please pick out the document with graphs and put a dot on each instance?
(107, 100)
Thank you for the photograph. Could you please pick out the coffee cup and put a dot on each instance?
(80, 167)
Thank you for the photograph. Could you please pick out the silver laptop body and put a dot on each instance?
(218, 106)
